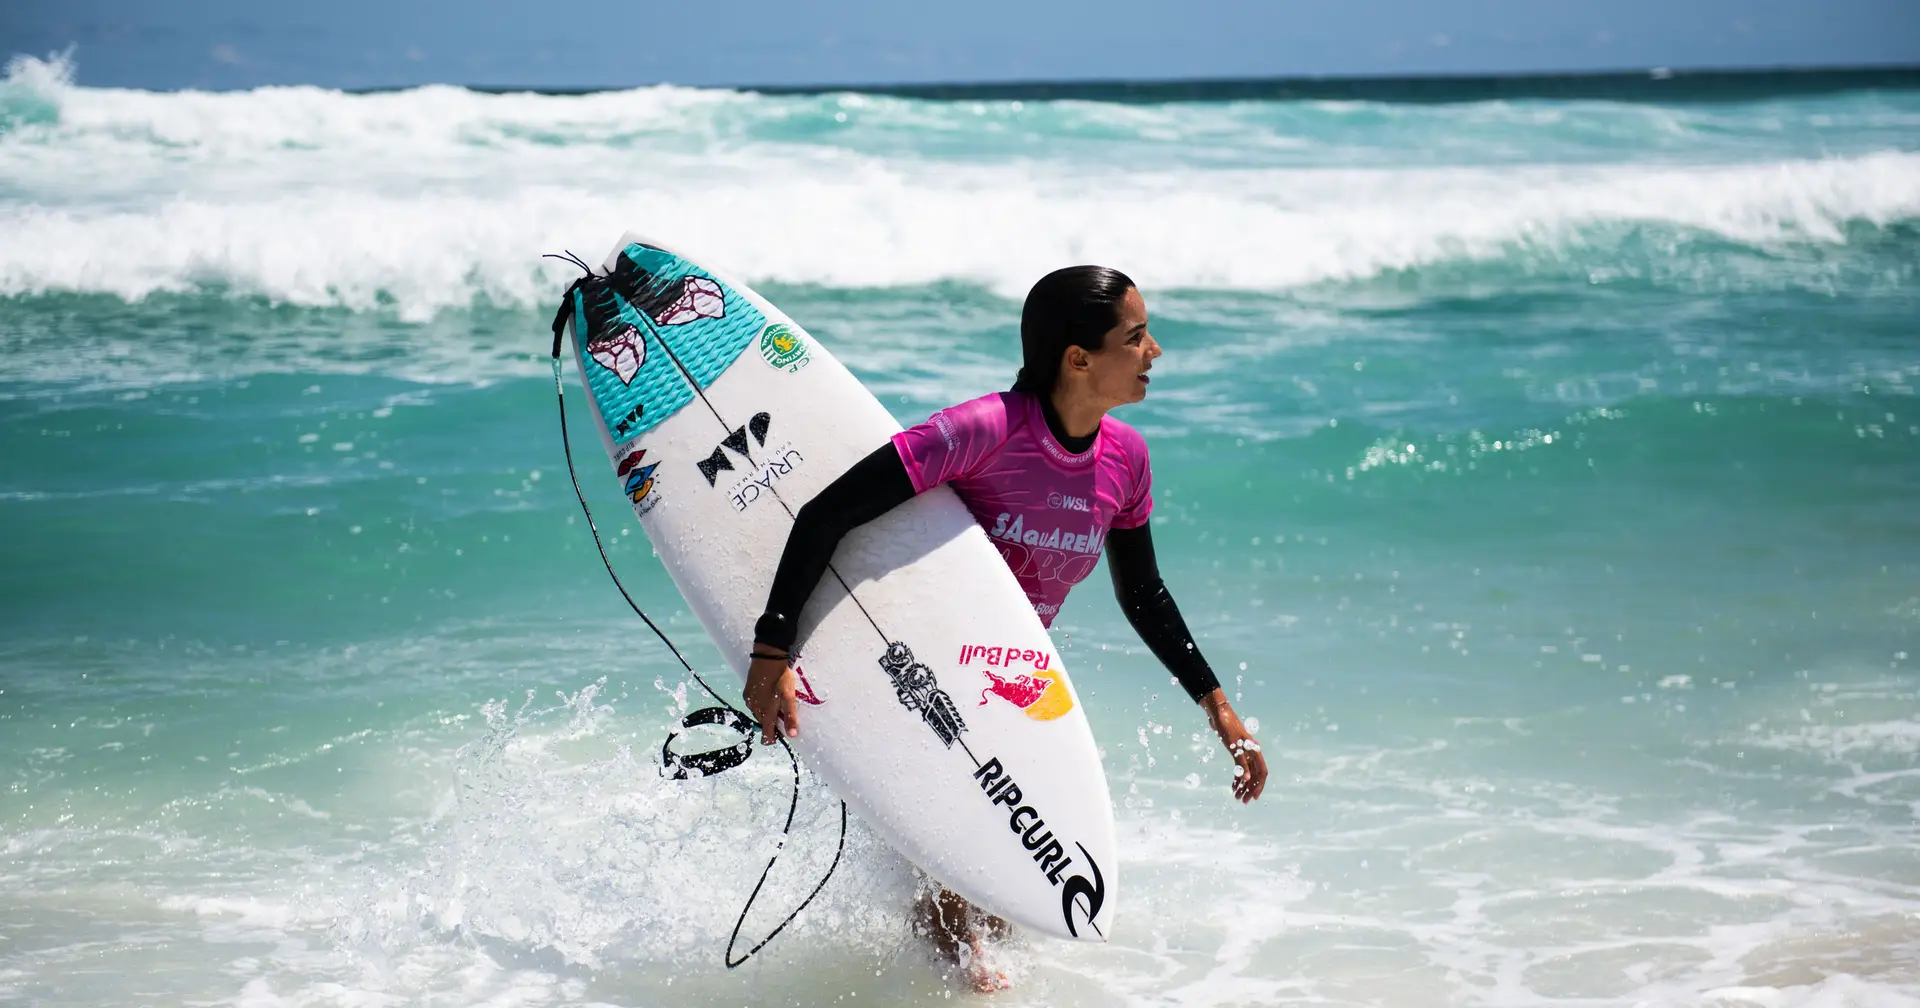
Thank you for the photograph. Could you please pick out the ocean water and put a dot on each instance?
(1542, 476)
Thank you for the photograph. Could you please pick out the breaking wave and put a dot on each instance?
(438, 197)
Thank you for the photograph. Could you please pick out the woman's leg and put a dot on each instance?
(960, 930)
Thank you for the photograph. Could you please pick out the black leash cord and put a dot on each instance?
(793, 802)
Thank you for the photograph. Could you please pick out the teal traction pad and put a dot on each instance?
(705, 346)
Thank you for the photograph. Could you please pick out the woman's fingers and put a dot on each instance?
(1256, 778)
(764, 680)
(1250, 768)
(765, 709)
(789, 704)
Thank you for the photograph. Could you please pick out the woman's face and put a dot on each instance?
(1118, 373)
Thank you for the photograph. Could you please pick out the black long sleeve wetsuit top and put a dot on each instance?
(879, 483)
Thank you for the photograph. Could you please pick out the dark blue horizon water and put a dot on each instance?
(1652, 84)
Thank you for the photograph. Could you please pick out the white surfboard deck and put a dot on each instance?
(935, 703)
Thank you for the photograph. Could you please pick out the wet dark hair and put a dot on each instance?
(1075, 306)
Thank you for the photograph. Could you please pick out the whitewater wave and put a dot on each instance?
(881, 227)
(439, 198)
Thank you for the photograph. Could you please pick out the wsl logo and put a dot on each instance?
(1062, 502)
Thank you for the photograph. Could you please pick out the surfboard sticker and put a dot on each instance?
(919, 691)
(622, 315)
(1050, 855)
(749, 466)
(637, 480)
(784, 347)
(1040, 696)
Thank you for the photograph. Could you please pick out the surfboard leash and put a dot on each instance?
(726, 714)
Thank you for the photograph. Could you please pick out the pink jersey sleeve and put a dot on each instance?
(955, 442)
(1138, 506)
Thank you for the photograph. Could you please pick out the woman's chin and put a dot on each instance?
(1124, 396)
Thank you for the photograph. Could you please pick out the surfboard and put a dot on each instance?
(932, 699)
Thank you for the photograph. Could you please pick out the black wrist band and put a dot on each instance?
(774, 630)
(756, 656)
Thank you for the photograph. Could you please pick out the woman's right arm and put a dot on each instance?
(875, 485)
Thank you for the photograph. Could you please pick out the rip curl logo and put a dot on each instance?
(637, 480)
(784, 348)
(621, 352)
(1079, 895)
(1063, 502)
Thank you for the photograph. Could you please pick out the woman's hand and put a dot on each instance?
(1250, 768)
(771, 685)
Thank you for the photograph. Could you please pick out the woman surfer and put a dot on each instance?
(1044, 453)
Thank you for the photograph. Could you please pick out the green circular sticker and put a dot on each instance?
(783, 348)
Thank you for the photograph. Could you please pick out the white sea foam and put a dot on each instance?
(559, 868)
(429, 199)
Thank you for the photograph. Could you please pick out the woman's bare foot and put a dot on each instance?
(960, 931)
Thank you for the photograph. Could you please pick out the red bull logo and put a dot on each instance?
(1023, 691)
(1041, 695)
(1003, 656)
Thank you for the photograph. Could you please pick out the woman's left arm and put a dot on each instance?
(1149, 607)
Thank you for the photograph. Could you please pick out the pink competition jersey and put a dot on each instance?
(1046, 510)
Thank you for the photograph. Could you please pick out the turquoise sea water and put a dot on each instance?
(1543, 476)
